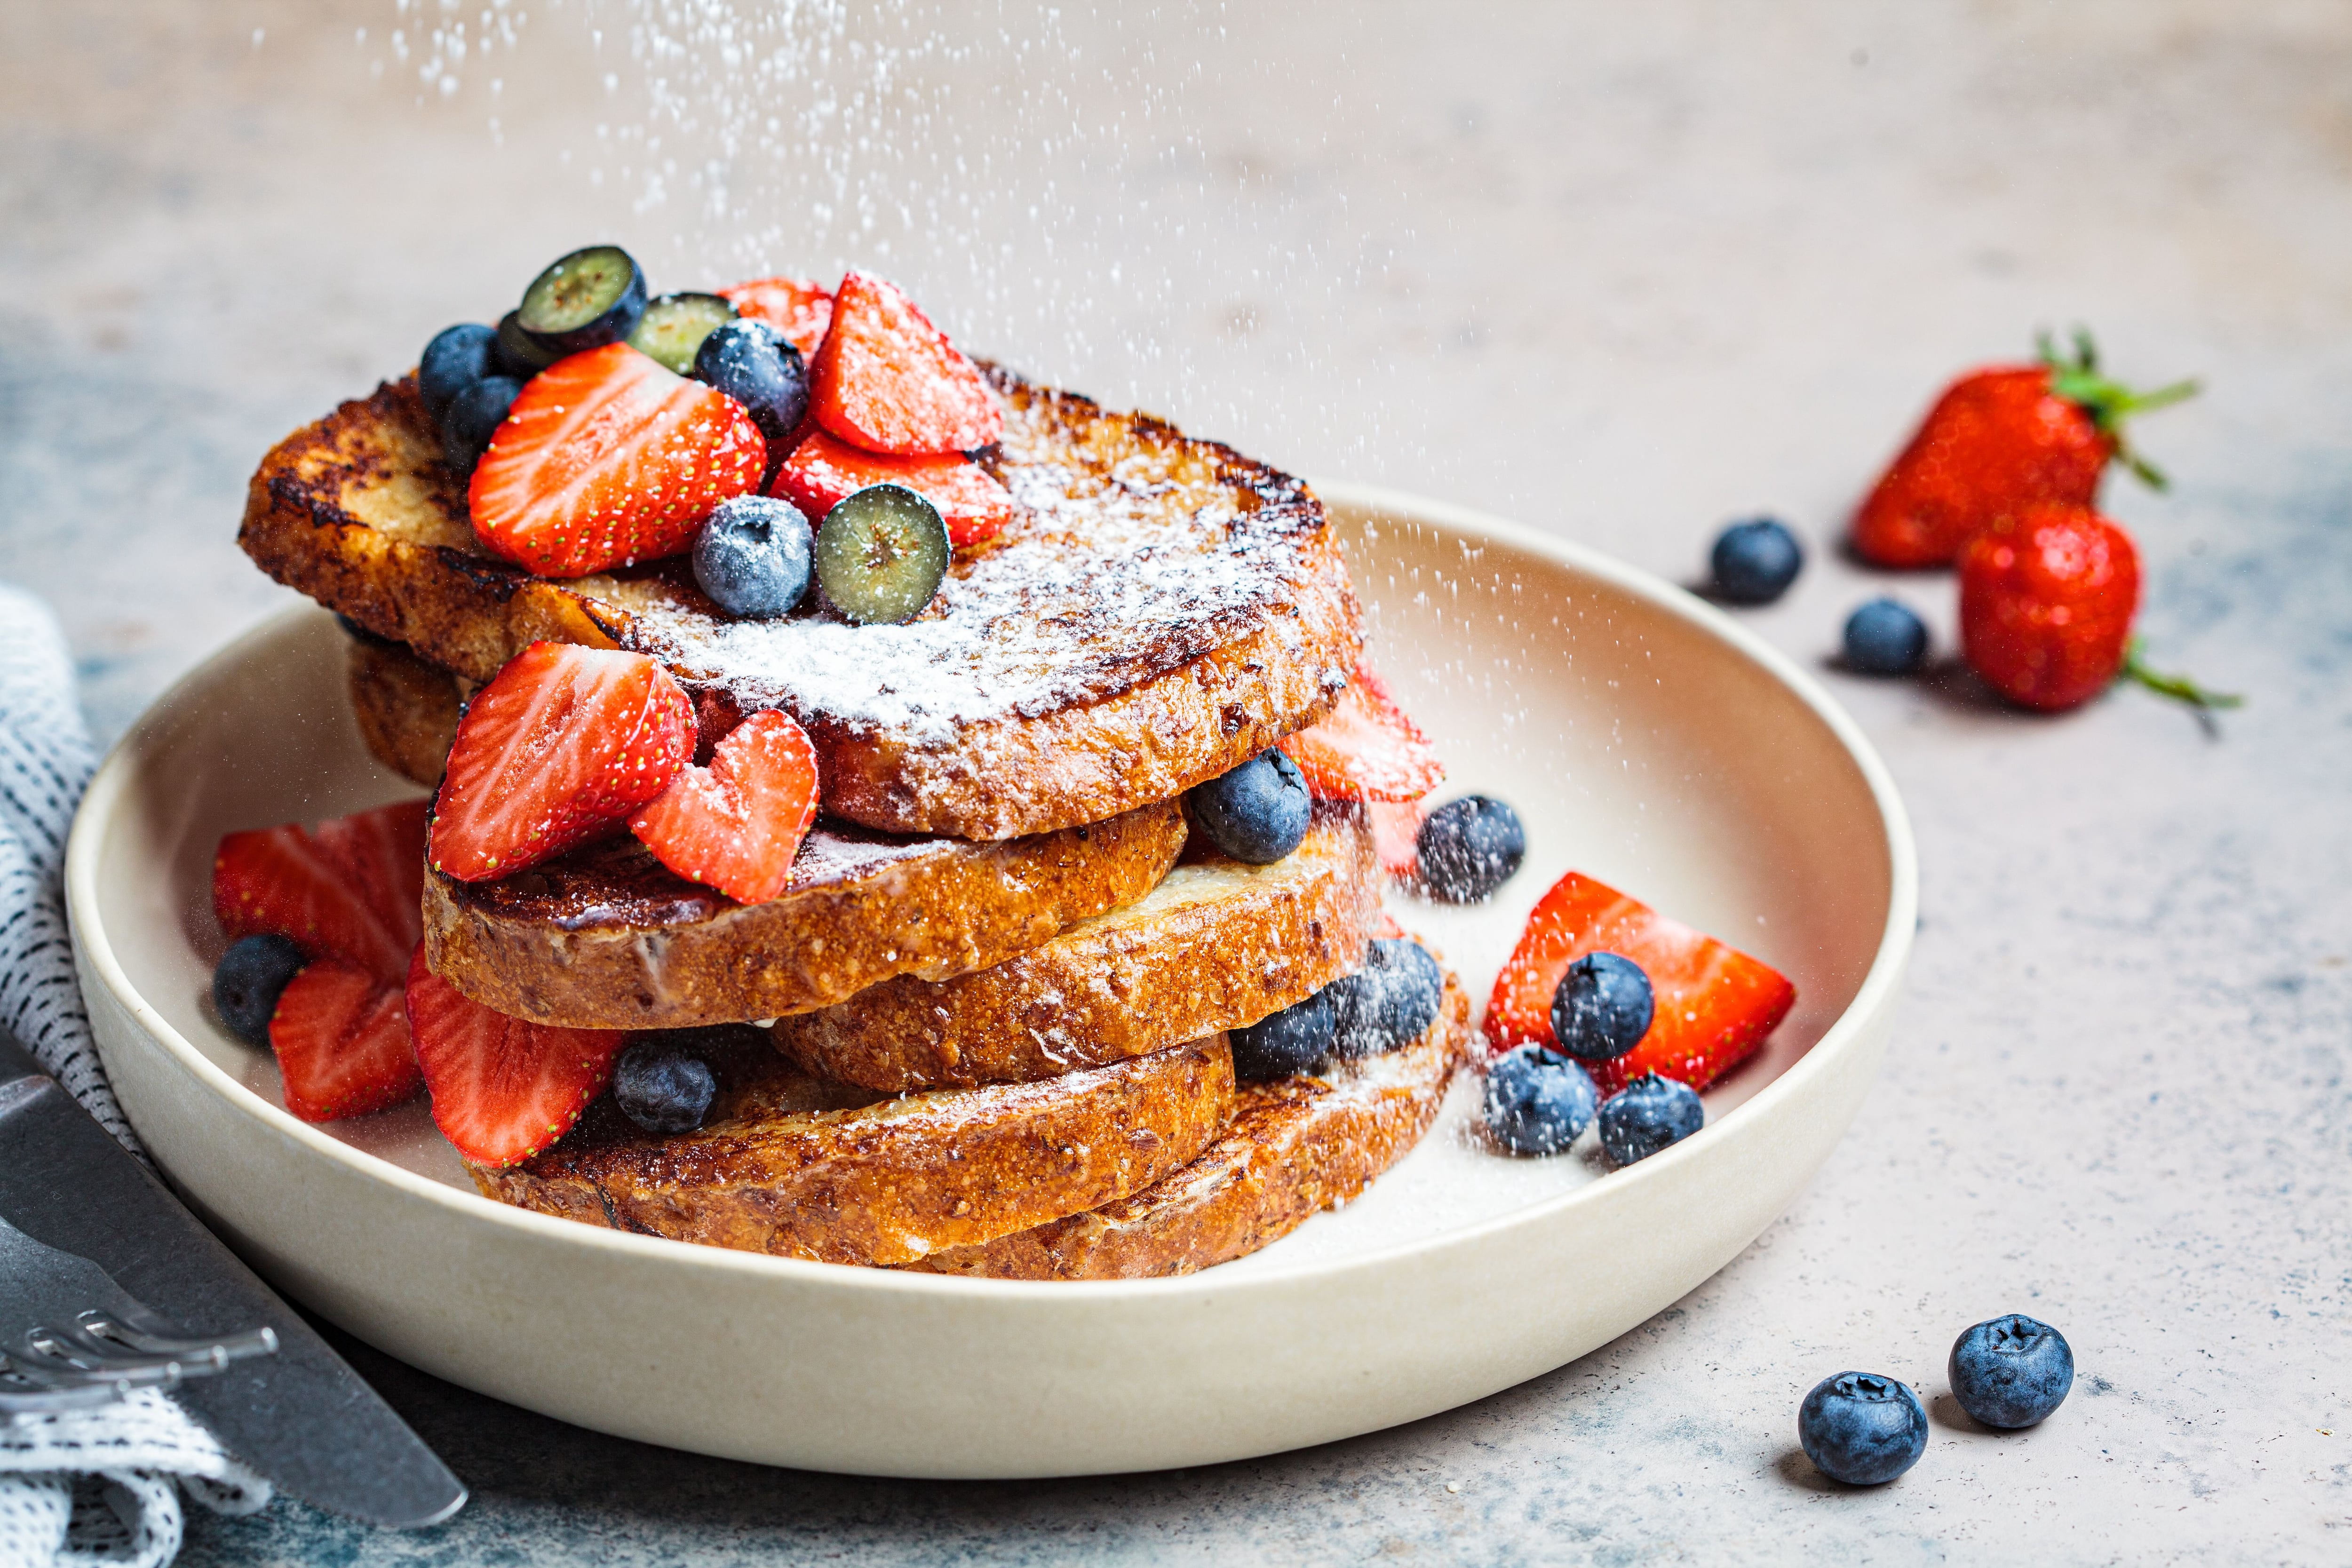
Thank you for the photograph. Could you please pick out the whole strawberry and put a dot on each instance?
(1998, 440)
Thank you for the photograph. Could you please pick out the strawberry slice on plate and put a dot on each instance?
(341, 1035)
(794, 306)
(1396, 834)
(822, 472)
(502, 1089)
(886, 380)
(735, 825)
(608, 457)
(349, 888)
(1365, 748)
(563, 743)
(1714, 1005)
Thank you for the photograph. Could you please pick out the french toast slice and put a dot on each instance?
(1164, 610)
(406, 709)
(1216, 945)
(1295, 1147)
(790, 1165)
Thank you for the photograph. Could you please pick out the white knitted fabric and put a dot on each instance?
(82, 1487)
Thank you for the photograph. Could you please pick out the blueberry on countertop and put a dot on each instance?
(661, 1087)
(1860, 1428)
(1469, 847)
(1389, 1003)
(2011, 1371)
(248, 980)
(752, 556)
(1258, 812)
(1647, 1115)
(1601, 1007)
(457, 358)
(1886, 637)
(1756, 560)
(1537, 1101)
(757, 366)
(473, 417)
(1290, 1041)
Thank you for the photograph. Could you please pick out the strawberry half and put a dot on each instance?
(502, 1090)
(341, 1034)
(886, 380)
(563, 742)
(822, 471)
(1365, 748)
(1396, 834)
(1714, 1005)
(735, 825)
(349, 889)
(607, 458)
(794, 306)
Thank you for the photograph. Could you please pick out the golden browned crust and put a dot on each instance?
(1215, 946)
(1295, 1147)
(782, 1167)
(607, 938)
(406, 709)
(359, 512)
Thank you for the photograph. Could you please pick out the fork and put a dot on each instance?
(70, 1337)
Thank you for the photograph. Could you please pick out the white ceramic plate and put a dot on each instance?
(1643, 737)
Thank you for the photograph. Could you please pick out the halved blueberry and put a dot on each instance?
(1647, 1115)
(457, 358)
(584, 300)
(752, 556)
(1601, 1007)
(1289, 1042)
(1256, 812)
(672, 328)
(881, 553)
(517, 355)
(248, 980)
(1537, 1101)
(1469, 847)
(1862, 1429)
(473, 417)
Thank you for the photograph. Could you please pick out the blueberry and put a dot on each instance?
(456, 359)
(1390, 1001)
(1469, 847)
(2011, 1372)
(474, 417)
(881, 554)
(1537, 1101)
(1646, 1115)
(1885, 637)
(584, 300)
(1756, 560)
(1258, 812)
(661, 1087)
(1601, 1007)
(1860, 1428)
(752, 556)
(757, 366)
(1290, 1041)
(248, 980)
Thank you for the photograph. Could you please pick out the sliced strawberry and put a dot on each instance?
(349, 888)
(563, 742)
(794, 306)
(822, 471)
(735, 825)
(341, 1033)
(886, 380)
(1714, 1005)
(502, 1089)
(1396, 834)
(606, 458)
(1366, 749)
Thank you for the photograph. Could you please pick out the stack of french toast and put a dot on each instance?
(987, 1024)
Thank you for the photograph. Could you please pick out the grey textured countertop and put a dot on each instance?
(1622, 272)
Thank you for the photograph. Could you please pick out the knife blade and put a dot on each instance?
(301, 1418)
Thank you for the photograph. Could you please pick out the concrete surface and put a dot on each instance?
(1624, 272)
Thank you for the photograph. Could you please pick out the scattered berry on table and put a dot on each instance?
(457, 358)
(1389, 1003)
(757, 366)
(881, 554)
(673, 328)
(1755, 562)
(247, 981)
(886, 380)
(1257, 813)
(341, 1038)
(586, 300)
(2047, 598)
(661, 1087)
(1647, 1115)
(1601, 1007)
(737, 824)
(752, 556)
(502, 1089)
(2011, 1371)
(1537, 1101)
(1288, 1042)
(823, 472)
(1860, 1428)
(473, 418)
(1470, 846)
(1366, 748)
(1883, 637)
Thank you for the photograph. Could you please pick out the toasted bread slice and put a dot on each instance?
(406, 709)
(1295, 1147)
(790, 1165)
(1215, 946)
(1164, 610)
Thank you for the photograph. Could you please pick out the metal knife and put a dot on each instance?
(301, 1418)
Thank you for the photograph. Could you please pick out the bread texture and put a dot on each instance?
(797, 1168)
(1217, 945)
(406, 709)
